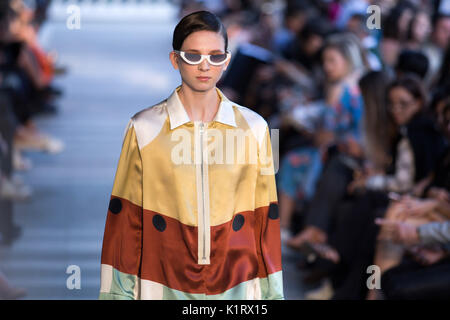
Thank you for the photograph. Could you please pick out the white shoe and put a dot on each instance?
(53, 145)
(40, 142)
(20, 163)
(324, 292)
(10, 191)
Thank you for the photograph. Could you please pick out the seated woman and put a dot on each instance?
(302, 166)
(415, 145)
(423, 226)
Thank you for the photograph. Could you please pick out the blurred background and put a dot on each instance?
(358, 89)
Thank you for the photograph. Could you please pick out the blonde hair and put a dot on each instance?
(350, 47)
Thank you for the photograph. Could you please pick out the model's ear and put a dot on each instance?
(226, 64)
(173, 59)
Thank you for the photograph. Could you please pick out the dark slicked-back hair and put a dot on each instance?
(197, 21)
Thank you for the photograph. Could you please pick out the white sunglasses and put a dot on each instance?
(195, 58)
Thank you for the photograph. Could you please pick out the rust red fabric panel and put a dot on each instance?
(122, 239)
(270, 239)
(242, 249)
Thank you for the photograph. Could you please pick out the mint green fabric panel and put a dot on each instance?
(237, 292)
(172, 294)
(272, 287)
(122, 286)
(111, 296)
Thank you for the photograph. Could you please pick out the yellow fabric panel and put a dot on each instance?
(266, 190)
(128, 177)
(171, 190)
(232, 185)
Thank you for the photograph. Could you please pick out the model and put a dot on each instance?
(193, 214)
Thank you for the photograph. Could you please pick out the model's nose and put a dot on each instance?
(204, 66)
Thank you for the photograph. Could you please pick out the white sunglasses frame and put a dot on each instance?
(202, 58)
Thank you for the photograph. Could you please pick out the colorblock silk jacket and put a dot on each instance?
(191, 216)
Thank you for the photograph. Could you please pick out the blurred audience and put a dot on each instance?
(364, 119)
(364, 127)
(26, 92)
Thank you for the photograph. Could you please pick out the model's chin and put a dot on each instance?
(202, 85)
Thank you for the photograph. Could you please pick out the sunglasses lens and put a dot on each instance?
(192, 57)
(218, 58)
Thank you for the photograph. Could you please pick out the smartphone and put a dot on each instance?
(394, 196)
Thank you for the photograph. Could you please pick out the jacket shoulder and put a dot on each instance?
(254, 120)
(148, 122)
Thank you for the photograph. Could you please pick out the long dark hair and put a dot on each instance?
(197, 21)
(375, 117)
(444, 72)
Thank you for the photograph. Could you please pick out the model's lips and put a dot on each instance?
(203, 78)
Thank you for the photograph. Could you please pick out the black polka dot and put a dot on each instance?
(238, 222)
(273, 211)
(159, 222)
(115, 205)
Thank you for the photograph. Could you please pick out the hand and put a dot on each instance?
(282, 66)
(324, 137)
(400, 232)
(428, 256)
(359, 181)
(418, 207)
(310, 234)
(354, 148)
(439, 194)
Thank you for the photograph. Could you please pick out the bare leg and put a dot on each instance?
(309, 234)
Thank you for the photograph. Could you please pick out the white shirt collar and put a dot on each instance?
(178, 115)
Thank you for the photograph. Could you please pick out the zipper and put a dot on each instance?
(203, 193)
(203, 201)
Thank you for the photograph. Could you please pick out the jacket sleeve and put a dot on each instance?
(268, 223)
(435, 232)
(122, 239)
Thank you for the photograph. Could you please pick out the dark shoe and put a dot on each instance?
(12, 235)
(47, 108)
(52, 90)
(321, 269)
(59, 70)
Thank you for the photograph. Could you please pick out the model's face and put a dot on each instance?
(201, 42)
